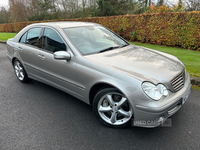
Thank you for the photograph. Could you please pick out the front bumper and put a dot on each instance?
(154, 113)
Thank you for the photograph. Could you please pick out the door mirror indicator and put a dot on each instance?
(62, 55)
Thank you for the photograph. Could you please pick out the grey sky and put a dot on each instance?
(4, 3)
(175, 2)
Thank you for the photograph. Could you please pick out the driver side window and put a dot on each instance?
(52, 41)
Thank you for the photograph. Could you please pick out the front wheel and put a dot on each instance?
(112, 108)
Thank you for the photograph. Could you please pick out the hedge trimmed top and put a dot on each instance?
(171, 29)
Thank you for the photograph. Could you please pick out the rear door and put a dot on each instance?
(28, 49)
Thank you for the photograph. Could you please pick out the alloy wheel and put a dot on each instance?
(19, 71)
(114, 109)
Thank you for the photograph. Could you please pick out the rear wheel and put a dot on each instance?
(20, 71)
(112, 108)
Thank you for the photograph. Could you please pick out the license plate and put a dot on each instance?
(185, 97)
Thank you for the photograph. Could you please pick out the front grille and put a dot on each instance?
(178, 82)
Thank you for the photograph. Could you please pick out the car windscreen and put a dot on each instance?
(94, 39)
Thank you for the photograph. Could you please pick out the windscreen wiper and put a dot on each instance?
(108, 49)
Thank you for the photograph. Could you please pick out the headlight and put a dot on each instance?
(154, 92)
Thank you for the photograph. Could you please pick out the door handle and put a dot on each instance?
(41, 56)
(20, 49)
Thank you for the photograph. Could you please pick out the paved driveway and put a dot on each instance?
(37, 116)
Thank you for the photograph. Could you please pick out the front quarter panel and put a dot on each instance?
(90, 73)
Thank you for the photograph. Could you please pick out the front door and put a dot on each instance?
(59, 73)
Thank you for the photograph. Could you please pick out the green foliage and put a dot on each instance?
(113, 7)
(46, 11)
(160, 2)
(133, 34)
(106, 7)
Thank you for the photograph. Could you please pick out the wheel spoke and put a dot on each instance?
(113, 118)
(21, 74)
(124, 113)
(16, 68)
(122, 101)
(18, 65)
(110, 100)
(105, 109)
(17, 73)
(20, 68)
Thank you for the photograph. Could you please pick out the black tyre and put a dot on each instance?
(20, 71)
(112, 108)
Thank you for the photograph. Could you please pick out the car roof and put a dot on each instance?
(67, 24)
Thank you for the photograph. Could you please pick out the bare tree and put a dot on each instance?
(4, 15)
(17, 11)
(191, 5)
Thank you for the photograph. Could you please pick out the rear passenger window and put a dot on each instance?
(52, 41)
(33, 37)
(23, 38)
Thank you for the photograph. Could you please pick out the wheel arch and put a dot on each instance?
(13, 59)
(98, 86)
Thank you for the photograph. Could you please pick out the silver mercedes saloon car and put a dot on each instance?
(125, 84)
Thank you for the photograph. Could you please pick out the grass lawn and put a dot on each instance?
(4, 36)
(191, 59)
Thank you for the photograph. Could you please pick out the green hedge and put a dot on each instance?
(171, 29)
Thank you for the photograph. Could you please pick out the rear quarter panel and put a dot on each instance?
(11, 49)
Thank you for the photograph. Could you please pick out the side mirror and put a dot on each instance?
(62, 55)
